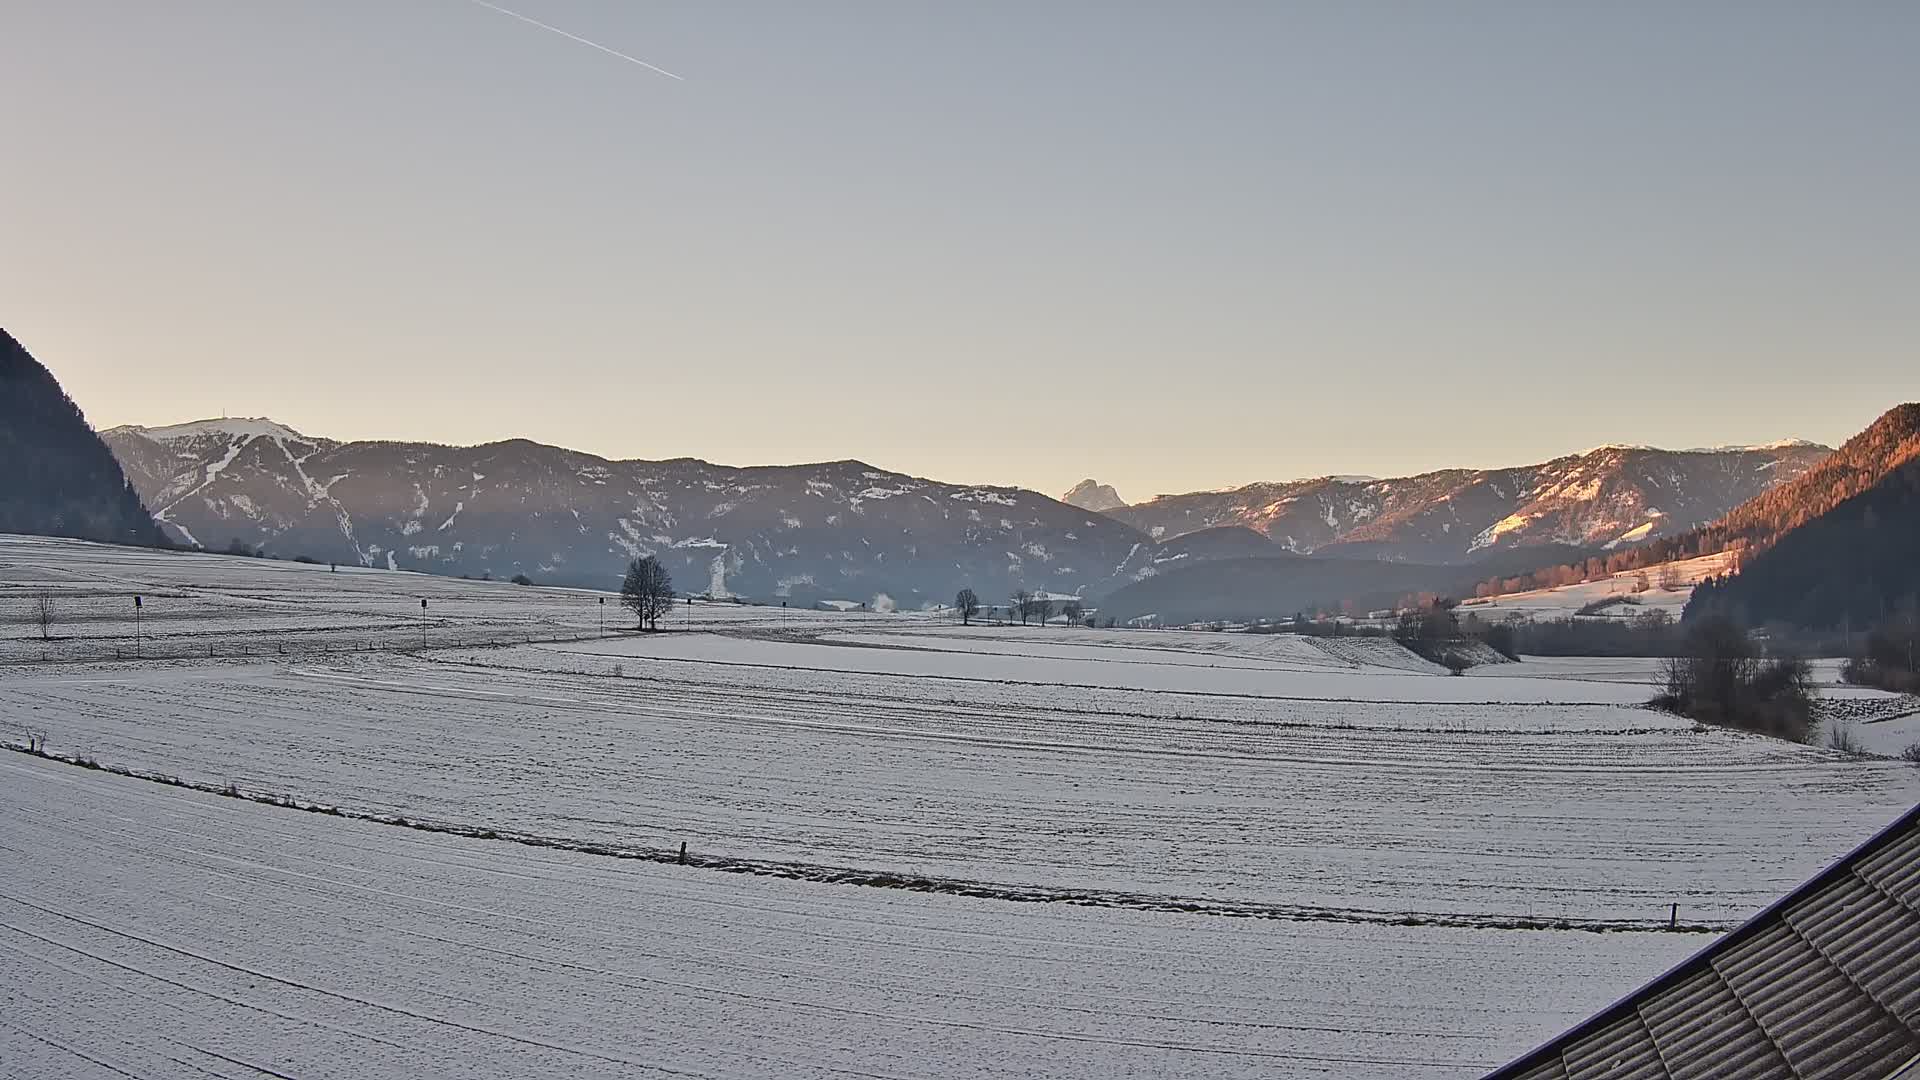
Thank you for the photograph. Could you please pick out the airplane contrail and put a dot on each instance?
(578, 38)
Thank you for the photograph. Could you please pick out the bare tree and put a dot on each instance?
(43, 614)
(1042, 608)
(1023, 604)
(648, 591)
(1074, 612)
(968, 604)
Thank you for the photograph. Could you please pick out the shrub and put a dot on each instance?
(1890, 657)
(1841, 737)
(1889, 660)
(1911, 754)
(1455, 663)
(522, 579)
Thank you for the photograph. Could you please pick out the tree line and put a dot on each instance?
(1024, 604)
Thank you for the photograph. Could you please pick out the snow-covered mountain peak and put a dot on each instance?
(1777, 444)
(1090, 494)
(235, 427)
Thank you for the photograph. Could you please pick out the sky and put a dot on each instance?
(1170, 246)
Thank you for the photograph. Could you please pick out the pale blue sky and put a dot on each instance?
(1173, 246)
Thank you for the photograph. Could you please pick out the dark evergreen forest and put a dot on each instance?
(56, 477)
(1855, 566)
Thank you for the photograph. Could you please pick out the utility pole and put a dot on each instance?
(423, 622)
(603, 616)
(136, 625)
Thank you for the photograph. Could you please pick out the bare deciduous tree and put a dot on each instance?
(968, 604)
(43, 615)
(1023, 605)
(1042, 609)
(648, 591)
(1074, 612)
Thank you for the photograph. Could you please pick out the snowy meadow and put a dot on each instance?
(335, 833)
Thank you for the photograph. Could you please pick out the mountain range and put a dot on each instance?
(835, 530)
(848, 530)
(1604, 498)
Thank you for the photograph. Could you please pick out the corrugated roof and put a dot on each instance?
(1825, 983)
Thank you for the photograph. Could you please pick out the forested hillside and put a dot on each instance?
(1852, 566)
(1860, 464)
(56, 477)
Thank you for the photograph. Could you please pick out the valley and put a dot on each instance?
(1027, 842)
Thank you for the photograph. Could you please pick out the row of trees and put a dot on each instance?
(1024, 604)
(1666, 575)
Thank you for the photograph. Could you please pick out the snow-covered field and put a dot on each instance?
(977, 658)
(1380, 828)
(200, 605)
(151, 932)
